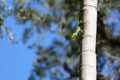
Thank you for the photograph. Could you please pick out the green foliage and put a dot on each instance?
(1, 19)
(51, 3)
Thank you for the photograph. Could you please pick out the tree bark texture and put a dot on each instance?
(88, 55)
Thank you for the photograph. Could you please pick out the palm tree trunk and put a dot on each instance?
(88, 55)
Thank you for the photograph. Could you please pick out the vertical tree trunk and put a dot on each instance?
(88, 55)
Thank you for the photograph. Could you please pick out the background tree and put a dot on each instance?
(59, 18)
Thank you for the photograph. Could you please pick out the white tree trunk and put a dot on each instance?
(88, 55)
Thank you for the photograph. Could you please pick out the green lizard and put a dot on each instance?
(78, 30)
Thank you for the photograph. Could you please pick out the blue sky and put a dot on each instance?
(15, 61)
